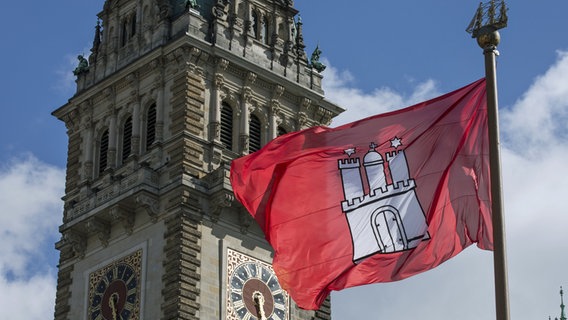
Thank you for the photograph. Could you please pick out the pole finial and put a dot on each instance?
(488, 18)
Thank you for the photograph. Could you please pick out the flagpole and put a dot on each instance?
(484, 28)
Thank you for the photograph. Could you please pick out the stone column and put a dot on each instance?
(160, 111)
(245, 119)
(218, 83)
(89, 146)
(246, 99)
(274, 107)
(303, 118)
(272, 117)
(112, 139)
(135, 148)
(215, 124)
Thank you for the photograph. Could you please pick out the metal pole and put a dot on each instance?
(489, 44)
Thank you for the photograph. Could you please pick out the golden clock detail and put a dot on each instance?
(253, 291)
(114, 290)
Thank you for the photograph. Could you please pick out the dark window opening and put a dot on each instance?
(265, 35)
(255, 134)
(151, 126)
(103, 152)
(133, 26)
(127, 139)
(227, 126)
(255, 25)
(124, 33)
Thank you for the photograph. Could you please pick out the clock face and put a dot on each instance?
(254, 293)
(114, 292)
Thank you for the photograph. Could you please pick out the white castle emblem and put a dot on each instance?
(389, 218)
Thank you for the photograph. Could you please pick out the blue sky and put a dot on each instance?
(381, 55)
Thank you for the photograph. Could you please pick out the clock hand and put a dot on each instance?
(112, 304)
(259, 304)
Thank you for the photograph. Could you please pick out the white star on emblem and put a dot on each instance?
(396, 142)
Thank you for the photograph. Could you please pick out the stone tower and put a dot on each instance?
(171, 92)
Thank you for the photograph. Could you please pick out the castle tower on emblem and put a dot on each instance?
(389, 218)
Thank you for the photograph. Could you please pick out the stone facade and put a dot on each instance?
(146, 167)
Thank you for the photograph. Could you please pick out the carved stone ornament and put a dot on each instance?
(244, 142)
(250, 78)
(222, 64)
(150, 205)
(247, 95)
(124, 215)
(324, 115)
(278, 91)
(220, 9)
(306, 104)
(302, 120)
(221, 200)
(101, 228)
(72, 121)
(219, 81)
(245, 220)
(275, 107)
(77, 241)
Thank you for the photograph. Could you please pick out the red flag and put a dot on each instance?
(376, 200)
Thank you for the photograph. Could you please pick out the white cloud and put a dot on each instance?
(534, 169)
(339, 88)
(30, 211)
(65, 83)
(540, 116)
(30, 299)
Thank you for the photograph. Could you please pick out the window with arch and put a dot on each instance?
(227, 126)
(151, 126)
(264, 34)
(103, 152)
(133, 25)
(126, 139)
(124, 33)
(255, 134)
(255, 23)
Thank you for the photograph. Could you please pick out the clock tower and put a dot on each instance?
(171, 92)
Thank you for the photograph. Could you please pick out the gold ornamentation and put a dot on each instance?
(114, 290)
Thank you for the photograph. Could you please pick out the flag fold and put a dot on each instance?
(376, 200)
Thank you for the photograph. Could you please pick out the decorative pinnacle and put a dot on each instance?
(488, 18)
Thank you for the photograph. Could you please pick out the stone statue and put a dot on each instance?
(191, 4)
(83, 66)
(314, 60)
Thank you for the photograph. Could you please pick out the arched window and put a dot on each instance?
(255, 23)
(124, 36)
(126, 139)
(133, 25)
(150, 126)
(227, 126)
(255, 134)
(264, 32)
(103, 152)
(281, 131)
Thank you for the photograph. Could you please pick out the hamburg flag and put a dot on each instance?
(376, 200)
